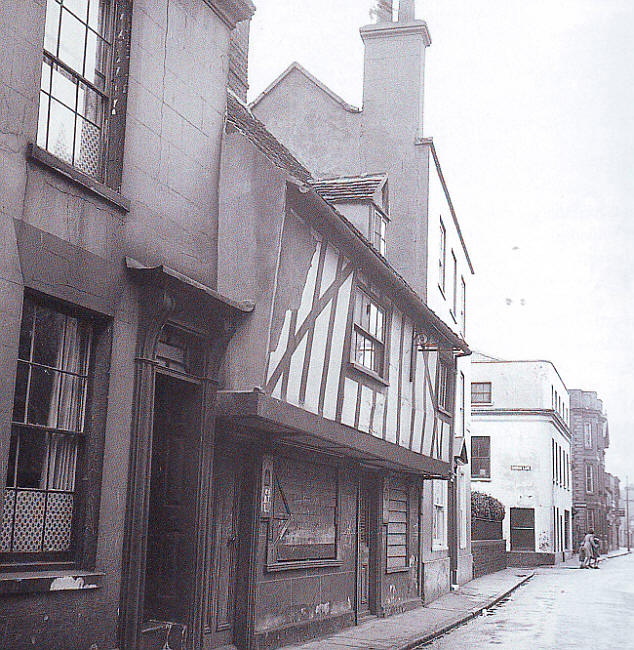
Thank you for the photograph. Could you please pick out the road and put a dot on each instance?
(559, 608)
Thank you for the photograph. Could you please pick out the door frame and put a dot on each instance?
(162, 299)
(369, 479)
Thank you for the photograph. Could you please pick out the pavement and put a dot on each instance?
(558, 609)
(409, 630)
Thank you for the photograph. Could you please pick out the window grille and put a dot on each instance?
(48, 424)
(74, 88)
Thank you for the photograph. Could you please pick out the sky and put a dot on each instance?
(531, 107)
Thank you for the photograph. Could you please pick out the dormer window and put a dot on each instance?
(378, 228)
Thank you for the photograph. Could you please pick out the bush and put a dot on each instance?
(484, 506)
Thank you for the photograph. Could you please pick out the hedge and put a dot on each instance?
(484, 506)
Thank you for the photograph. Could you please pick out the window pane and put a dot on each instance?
(64, 88)
(21, 381)
(78, 7)
(89, 104)
(30, 450)
(42, 121)
(52, 26)
(42, 409)
(97, 16)
(49, 332)
(61, 459)
(72, 42)
(96, 60)
(61, 129)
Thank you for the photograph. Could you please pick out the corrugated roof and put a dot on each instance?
(349, 188)
(240, 117)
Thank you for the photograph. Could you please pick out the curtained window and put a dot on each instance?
(48, 422)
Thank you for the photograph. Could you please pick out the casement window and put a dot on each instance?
(305, 506)
(481, 456)
(463, 306)
(378, 228)
(589, 479)
(397, 504)
(454, 283)
(442, 260)
(41, 493)
(368, 335)
(481, 392)
(522, 524)
(439, 514)
(443, 387)
(587, 435)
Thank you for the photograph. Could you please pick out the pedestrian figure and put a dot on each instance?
(586, 550)
(596, 551)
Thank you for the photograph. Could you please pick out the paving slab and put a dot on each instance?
(404, 631)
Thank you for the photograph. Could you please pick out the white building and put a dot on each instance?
(520, 454)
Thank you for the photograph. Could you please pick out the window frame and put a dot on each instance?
(442, 261)
(474, 456)
(445, 387)
(273, 562)
(463, 306)
(378, 239)
(589, 478)
(489, 392)
(588, 442)
(90, 447)
(439, 506)
(454, 297)
(357, 329)
(116, 34)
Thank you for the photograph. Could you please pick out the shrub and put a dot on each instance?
(484, 506)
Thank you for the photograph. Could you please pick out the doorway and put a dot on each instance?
(171, 540)
(363, 550)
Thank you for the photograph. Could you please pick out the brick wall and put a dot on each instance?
(489, 556)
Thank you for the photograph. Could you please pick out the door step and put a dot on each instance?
(163, 635)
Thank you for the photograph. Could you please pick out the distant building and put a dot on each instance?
(590, 439)
(520, 454)
(614, 515)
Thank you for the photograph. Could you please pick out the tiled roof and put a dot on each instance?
(241, 118)
(349, 188)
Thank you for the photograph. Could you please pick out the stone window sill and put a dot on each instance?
(302, 564)
(48, 160)
(30, 582)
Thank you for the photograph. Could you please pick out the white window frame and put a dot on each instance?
(439, 515)
(490, 391)
(442, 262)
(587, 435)
(378, 229)
(589, 478)
(454, 296)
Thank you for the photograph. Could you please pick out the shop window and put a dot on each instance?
(481, 456)
(305, 506)
(439, 514)
(481, 392)
(397, 528)
(522, 529)
(368, 335)
(40, 496)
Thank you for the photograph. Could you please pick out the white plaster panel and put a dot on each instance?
(295, 372)
(366, 409)
(349, 407)
(316, 362)
(309, 288)
(330, 269)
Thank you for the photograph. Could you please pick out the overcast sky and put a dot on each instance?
(531, 106)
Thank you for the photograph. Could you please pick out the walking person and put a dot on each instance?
(586, 550)
(596, 551)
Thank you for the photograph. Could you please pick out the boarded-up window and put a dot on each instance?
(522, 529)
(305, 511)
(397, 528)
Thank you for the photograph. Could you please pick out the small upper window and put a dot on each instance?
(442, 273)
(454, 298)
(379, 227)
(74, 88)
(481, 456)
(589, 479)
(368, 335)
(481, 392)
(463, 306)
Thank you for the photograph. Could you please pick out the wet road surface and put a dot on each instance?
(562, 608)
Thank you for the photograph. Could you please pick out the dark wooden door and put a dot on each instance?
(227, 481)
(171, 528)
(363, 552)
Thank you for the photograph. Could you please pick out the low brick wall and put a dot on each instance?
(489, 556)
(531, 558)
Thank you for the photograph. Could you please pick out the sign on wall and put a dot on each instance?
(266, 499)
(521, 468)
